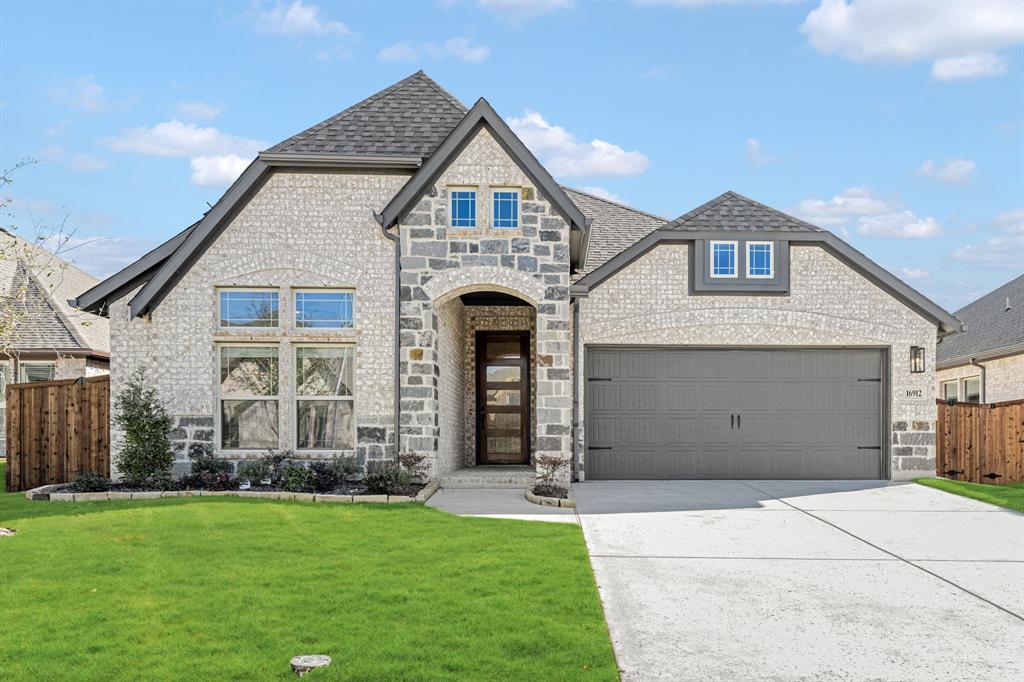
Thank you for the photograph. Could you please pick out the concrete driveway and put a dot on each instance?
(800, 580)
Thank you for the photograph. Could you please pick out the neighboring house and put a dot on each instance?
(44, 337)
(406, 275)
(985, 362)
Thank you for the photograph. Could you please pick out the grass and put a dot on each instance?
(1009, 495)
(228, 588)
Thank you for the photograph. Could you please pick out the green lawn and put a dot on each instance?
(1009, 495)
(227, 588)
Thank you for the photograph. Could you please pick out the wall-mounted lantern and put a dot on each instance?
(916, 359)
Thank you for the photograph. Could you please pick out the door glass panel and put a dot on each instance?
(504, 397)
(503, 374)
(503, 421)
(497, 445)
(503, 348)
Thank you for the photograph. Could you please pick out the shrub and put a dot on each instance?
(297, 479)
(344, 467)
(146, 456)
(90, 482)
(413, 462)
(209, 480)
(256, 471)
(208, 464)
(548, 484)
(388, 480)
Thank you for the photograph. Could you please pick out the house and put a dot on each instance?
(42, 336)
(985, 362)
(406, 275)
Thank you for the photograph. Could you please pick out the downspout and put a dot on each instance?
(984, 388)
(398, 342)
(575, 388)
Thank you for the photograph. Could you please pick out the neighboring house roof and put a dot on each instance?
(614, 227)
(993, 326)
(410, 118)
(38, 286)
(732, 211)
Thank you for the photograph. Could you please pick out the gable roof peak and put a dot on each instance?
(734, 211)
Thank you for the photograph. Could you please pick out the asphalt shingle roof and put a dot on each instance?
(732, 211)
(614, 227)
(409, 118)
(990, 326)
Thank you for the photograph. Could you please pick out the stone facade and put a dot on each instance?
(1004, 378)
(300, 230)
(440, 263)
(829, 304)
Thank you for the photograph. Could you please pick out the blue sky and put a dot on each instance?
(900, 126)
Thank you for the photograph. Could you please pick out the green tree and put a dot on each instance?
(139, 414)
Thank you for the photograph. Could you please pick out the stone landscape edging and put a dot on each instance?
(46, 492)
(568, 502)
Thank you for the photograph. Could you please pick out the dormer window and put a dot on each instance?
(723, 259)
(760, 260)
(506, 209)
(462, 208)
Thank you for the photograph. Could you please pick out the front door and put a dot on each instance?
(503, 397)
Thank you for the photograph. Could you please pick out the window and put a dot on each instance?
(972, 390)
(324, 378)
(506, 208)
(723, 259)
(248, 397)
(323, 309)
(949, 390)
(463, 208)
(760, 259)
(248, 308)
(36, 371)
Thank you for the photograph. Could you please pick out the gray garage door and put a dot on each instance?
(721, 414)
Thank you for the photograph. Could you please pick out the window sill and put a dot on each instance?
(349, 335)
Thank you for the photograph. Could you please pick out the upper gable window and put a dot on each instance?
(323, 309)
(506, 209)
(760, 260)
(723, 259)
(248, 308)
(462, 210)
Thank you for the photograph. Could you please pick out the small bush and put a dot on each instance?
(91, 482)
(256, 471)
(208, 464)
(297, 479)
(208, 480)
(414, 463)
(146, 458)
(324, 476)
(344, 468)
(388, 480)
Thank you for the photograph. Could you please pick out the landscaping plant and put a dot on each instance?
(548, 482)
(139, 414)
(388, 480)
(90, 482)
(413, 463)
(297, 479)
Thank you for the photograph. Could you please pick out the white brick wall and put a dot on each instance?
(829, 305)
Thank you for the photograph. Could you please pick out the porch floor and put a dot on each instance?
(491, 476)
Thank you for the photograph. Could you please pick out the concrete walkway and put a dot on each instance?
(497, 504)
(799, 580)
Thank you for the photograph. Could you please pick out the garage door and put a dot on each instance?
(733, 414)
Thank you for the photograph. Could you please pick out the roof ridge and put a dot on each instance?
(441, 91)
(758, 204)
(615, 203)
(707, 205)
(992, 293)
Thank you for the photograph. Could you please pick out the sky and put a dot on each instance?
(897, 125)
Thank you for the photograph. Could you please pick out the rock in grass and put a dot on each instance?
(11, 531)
(303, 664)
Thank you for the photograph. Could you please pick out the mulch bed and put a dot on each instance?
(350, 488)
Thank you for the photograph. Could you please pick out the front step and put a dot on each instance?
(491, 476)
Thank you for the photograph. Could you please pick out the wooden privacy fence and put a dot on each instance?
(56, 429)
(981, 443)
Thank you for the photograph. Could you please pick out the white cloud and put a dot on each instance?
(954, 35)
(874, 216)
(51, 152)
(914, 274)
(174, 138)
(951, 172)
(969, 66)
(459, 48)
(685, 4)
(217, 171)
(602, 193)
(566, 156)
(297, 19)
(997, 252)
(756, 154)
(99, 255)
(522, 11)
(198, 111)
(86, 163)
(1011, 221)
(56, 129)
(83, 93)
(899, 225)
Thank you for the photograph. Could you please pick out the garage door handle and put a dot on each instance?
(739, 424)
(732, 421)
(595, 447)
(599, 378)
(869, 447)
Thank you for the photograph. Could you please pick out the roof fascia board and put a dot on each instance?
(199, 239)
(481, 114)
(993, 354)
(320, 160)
(97, 299)
(851, 256)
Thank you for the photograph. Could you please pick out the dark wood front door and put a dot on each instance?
(503, 397)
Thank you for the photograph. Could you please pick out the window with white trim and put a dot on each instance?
(972, 390)
(760, 260)
(324, 397)
(462, 208)
(247, 307)
(949, 390)
(506, 209)
(248, 397)
(36, 371)
(723, 259)
(323, 309)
